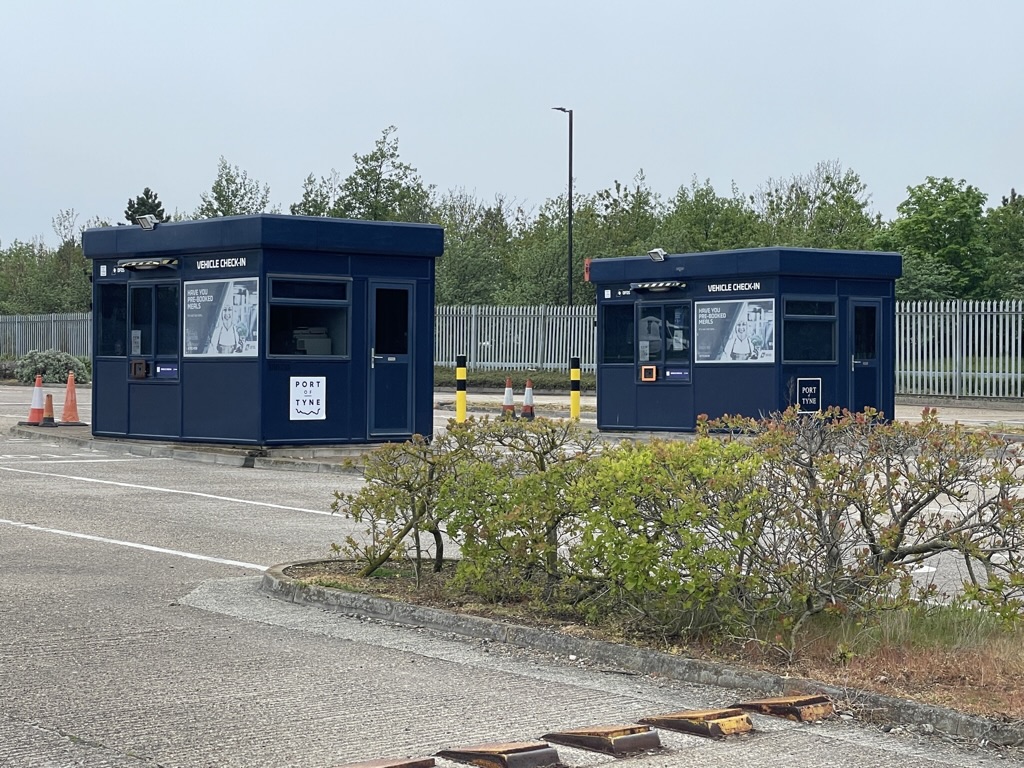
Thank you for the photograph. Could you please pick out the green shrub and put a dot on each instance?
(759, 533)
(7, 369)
(508, 510)
(53, 365)
(86, 361)
(400, 500)
(669, 527)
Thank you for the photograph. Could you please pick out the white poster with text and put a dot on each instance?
(735, 331)
(220, 317)
(308, 396)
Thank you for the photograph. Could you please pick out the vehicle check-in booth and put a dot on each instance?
(747, 332)
(265, 330)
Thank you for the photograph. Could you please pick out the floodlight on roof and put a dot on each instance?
(657, 254)
(147, 221)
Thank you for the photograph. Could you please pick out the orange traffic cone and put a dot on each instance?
(35, 412)
(69, 417)
(528, 402)
(48, 413)
(508, 409)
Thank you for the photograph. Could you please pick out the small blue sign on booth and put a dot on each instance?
(264, 330)
(747, 332)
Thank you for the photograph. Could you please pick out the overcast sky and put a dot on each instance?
(101, 99)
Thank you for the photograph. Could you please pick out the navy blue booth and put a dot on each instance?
(265, 330)
(748, 332)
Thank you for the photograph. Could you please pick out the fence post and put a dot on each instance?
(542, 339)
(959, 357)
(474, 335)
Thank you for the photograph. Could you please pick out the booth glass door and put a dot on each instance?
(864, 348)
(391, 342)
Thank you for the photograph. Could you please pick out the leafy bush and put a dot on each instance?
(752, 532)
(7, 369)
(509, 511)
(53, 365)
(86, 361)
(669, 527)
(400, 499)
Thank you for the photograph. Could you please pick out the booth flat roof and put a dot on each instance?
(815, 262)
(267, 230)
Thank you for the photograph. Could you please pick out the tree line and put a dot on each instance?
(955, 245)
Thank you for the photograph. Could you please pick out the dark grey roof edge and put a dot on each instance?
(270, 231)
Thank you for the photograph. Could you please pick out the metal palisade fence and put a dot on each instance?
(516, 338)
(20, 334)
(960, 348)
(965, 349)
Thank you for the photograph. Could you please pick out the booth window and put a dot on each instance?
(677, 333)
(618, 329)
(309, 316)
(663, 333)
(391, 322)
(809, 330)
(154, 320)
(112, 316)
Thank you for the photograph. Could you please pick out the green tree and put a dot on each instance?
(146, 203)
(21, 266)
(1004, 235)
(35, 279)
(939, 231)
(538, 260)
(319, 196)
(383, 188)
(826, 208)
(233, 194)
(477, 241)
(626, 216)
(699, 219)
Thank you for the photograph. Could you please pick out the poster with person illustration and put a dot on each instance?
(221, 317)
(735, 331)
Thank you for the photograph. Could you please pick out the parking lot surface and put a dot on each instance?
(134, 634)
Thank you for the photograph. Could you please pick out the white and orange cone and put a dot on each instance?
(508, 408)
(69, 417)
(527, 412)
(35, 411)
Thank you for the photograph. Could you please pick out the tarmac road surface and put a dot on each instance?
(132, 633)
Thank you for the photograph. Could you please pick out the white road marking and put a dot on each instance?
(133, 545)
(168, 490)
(37, 460)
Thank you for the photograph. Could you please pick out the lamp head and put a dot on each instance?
(657, 254)
(147, 221)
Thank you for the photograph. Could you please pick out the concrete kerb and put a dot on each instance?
(871, 706)
(223, 455)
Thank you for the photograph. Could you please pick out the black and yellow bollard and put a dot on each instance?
(460, 388)
(574, 388)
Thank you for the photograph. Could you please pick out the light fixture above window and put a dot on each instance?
(147, 221)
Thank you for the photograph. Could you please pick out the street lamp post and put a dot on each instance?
(569, 113)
